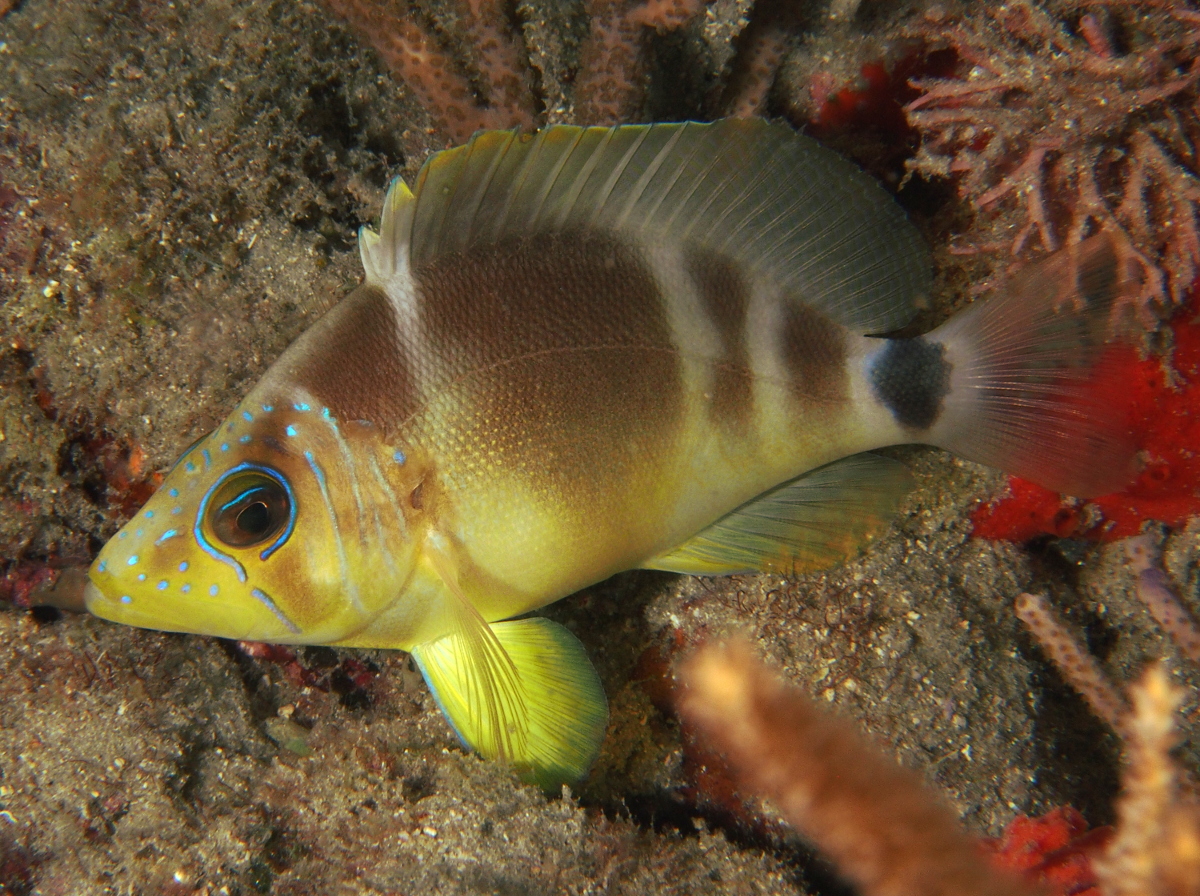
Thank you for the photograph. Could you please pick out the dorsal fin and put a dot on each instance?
(786, 208)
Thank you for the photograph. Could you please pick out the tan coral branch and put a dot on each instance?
(878, 824)
(1156, 851)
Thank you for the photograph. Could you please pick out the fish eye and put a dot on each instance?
(248, 508)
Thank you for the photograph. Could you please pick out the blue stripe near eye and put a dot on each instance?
(204, 543)
(274, 608)
(207, 457)
(318, 472)
(241, 497)
(170, 533)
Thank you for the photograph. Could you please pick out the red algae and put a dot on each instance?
(1055, 850)
(1163, 396)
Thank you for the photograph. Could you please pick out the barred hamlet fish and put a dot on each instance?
(587, 350)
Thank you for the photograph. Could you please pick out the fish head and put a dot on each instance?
(268, 529)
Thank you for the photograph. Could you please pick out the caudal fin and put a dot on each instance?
(1033, 385)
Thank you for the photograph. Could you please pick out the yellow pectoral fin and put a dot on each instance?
(522, 692)
(815, 522)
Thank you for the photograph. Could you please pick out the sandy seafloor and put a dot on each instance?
(180, 185)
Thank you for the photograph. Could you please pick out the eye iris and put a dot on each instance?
(248, 509)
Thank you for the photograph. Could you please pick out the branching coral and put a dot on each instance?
(875, 820)
(892, 837)
(501, 93)
(495, 88)
(1157, 846)
(612, 66)
(1075, 117)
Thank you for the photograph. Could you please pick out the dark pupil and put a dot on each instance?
(255, 519)
(249, 510)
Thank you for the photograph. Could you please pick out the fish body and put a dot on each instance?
(585, 351)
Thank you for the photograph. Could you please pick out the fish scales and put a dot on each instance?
(588, 350)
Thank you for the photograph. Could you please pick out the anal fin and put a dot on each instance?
(817, 521)
(521, 692)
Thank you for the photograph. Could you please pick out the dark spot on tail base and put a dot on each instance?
(911, 377)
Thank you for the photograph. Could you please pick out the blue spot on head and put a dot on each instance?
(174, 493)
(207, 456)
(133, 560)
(149, 513)
(399, 457)
(325, 413)
(122, 534)
(268, 408)
(291, 430)
(162, 586)
(126, 599)
(190, 467)
(141, 577)
(244, 439)
(224, 446)
(186, 588)
(213, 589)
(229, 427)
(103, 566)
(175, 510)
(183, 566)
(170, 533)
(247, 416)
(301, 406)
(140, 532)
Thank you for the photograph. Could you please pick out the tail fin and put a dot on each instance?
(1033, 377)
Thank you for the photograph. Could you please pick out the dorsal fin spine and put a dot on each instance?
(648, 175)
(585, 174)
(619, 169)
(563, 157)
